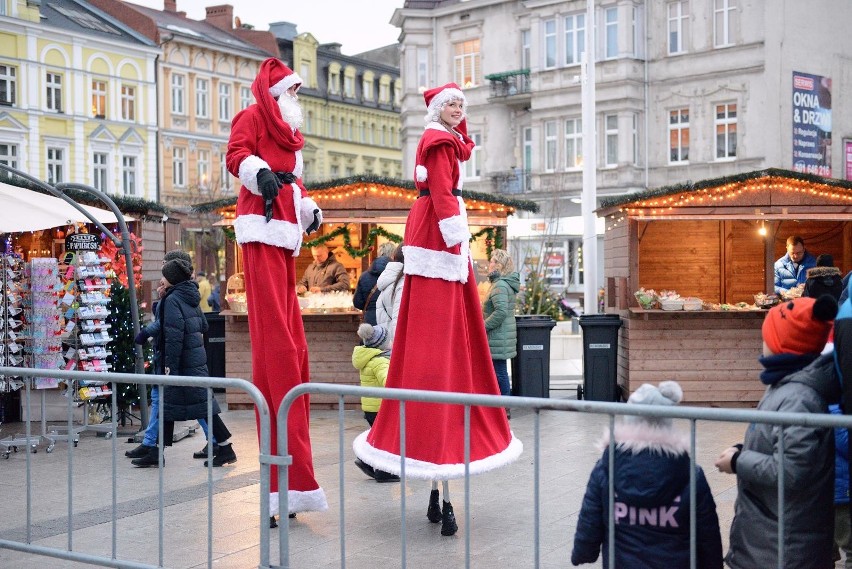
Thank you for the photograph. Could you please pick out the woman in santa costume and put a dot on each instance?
(440, 342)
(273, 211)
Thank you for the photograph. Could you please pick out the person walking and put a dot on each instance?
(180, 351)
(440, 342)
(273, 212)
(652, 494)
(366, 295)
(499, 312)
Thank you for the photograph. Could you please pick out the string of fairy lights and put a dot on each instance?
(663, 206)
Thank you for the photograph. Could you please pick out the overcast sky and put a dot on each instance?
(359, 25)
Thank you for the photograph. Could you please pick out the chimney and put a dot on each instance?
(170, 5)
(283, 30)
(221, 16)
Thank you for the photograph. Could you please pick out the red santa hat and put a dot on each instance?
(437, 97)
(273, 79)
(281, 78)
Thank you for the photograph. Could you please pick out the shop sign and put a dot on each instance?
(82, 242)
(847, 154)
(811, 124)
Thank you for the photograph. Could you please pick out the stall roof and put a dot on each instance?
(772, 193)
(25, 210)
(368, 198)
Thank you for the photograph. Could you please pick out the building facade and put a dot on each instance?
(351, 106)
(685, 90)
(77, 97)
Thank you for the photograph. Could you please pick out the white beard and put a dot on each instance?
(291, 111)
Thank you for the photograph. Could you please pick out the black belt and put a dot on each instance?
(424, 193)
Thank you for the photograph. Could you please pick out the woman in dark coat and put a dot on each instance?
(362, 300)
(179, 350)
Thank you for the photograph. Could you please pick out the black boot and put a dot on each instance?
(224, 455)
(434, 511)
(365, 468)
(448, 520)
(150, 459)
(138, 452)
(382, 476)
(203, 452)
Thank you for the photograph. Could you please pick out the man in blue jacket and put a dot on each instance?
(791, 270)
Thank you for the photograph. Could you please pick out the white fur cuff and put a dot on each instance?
(454, 230)
(251, 228)
(306, 211)
(420, 173)
(249, 168)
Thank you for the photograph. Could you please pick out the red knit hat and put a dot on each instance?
(799, 326)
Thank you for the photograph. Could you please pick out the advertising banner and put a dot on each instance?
(811, 124)
(847, 157)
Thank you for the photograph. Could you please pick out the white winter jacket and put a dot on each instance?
(390, 297)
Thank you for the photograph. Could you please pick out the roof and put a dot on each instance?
(83, 19)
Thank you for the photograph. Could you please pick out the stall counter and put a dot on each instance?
(331, 338)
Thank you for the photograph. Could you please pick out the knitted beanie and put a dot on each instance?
(177, 254)
(668, 393)
(177, 270)
(800, 326)
(373, 336)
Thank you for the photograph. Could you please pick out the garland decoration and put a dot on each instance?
(347, 240)
(493, 239)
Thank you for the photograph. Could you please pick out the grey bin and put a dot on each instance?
(600, 356)
(214, 343)
(531, 366)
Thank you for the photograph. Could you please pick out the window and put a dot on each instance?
(611, 16)
(245, 97)
(636, 139)
(367, 89)
(178, 166)
(678, 27)
(723, 16)
(611, 136)
(8, 84)
(177, 94)
(332, 127)
(53, 82)
(466, 63)
(306, 77)
(128, 103)
(575, 39)
(99, 171)
(363, 133)
(422, 68)
(309, 122)
(473, 167)
(348, 86)
(99, 92)
(128, 175)
(203, 165)
(224, 102)
(55, 165)
(678, 136)
(550, 146)
(726, 131)
(528, 149)
(9, 155)
(201, 98)
(549, 44)
(224, 175)
(384, 92)
(526, 50)
(341, 131)
(371, 134)
(351, 130)
(384, 136)
(573, 144)
(334, 82)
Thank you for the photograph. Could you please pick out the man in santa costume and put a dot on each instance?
(273, 211)
(440, 342)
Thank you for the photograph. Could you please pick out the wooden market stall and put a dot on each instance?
(716, 240)
(358, 214)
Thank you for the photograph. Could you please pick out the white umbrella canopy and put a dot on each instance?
(25, 210)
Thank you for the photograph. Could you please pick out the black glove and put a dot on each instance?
(268, 184)
(315, 224)
(286, 177)
(141, 337)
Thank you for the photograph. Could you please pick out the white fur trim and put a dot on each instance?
(300, 164)
(636, 437)
(460, 183)
(420, 173)
(249, 168)
(454, 230)
(281, 87)
(310, 501)
(250, 228)
(438, 101)
(419, 469)
(306, 211)
(436, 264)
(297, 207)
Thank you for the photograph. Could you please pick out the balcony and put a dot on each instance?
(514, 181)
(510, 88)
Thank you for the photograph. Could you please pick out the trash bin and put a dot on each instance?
(600, 356)
(214, 343)
(531, 367)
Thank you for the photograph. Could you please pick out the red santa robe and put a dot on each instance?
(440, 342)
(261, 139)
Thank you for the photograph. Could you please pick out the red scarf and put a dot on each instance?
(282, 132)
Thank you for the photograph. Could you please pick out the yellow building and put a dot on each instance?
(77, 97)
